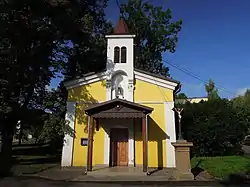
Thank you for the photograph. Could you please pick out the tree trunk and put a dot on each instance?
(20, 134)
(6, 150)
(36, 140)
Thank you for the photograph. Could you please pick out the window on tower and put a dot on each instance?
(123, 54)
(116, 55)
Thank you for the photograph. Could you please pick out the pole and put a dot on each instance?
(179, 110)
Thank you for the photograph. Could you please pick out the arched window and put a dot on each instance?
(116, 55)
(123, 54)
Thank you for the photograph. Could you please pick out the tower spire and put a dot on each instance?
(121, 27)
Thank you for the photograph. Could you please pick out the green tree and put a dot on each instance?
(28, 62)
(86, 29)
(242, 103)
(33, 48)
(181, 96)
(212, 91)
(205, 125)
(155, 32)
(55, 125)
(242, 100)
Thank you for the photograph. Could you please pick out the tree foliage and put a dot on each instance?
(242, 100)
(55, 125)
(242, 103)
(27, 62)
(86, 30)
(34, 47)
(155, 32)
(181, 96)
(212, 91)
(215, 127)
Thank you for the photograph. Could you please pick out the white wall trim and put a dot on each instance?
(120, 36)
(88, 79)
(170, 131)
(86, 102)
(138, 102)
(67, 151)
(155, 83)
(108, 93)
(106, 146)
(150, 102)
(155, 80)
(85, 80)
(106, 134)
(131, 146)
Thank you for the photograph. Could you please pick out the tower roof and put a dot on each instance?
(121, 27)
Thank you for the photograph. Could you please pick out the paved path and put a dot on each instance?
(246, 149)
(33, 182)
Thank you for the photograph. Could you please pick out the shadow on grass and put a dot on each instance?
(16, 145)
(237, 178)
(35, 150)
(32, 158)
(41, 160)
(35, 154)
(242, 178)
(197, 170)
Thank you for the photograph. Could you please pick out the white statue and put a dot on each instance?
(119, 93)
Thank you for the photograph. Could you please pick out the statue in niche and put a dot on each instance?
(119, 93)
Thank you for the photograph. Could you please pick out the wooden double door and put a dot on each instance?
(119, 147)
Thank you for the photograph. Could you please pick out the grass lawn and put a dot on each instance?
(31, 158)
(221, 167)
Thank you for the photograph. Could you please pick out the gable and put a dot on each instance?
(156, 79)
(92, 87)
(149, 92)
(88, 78)
(138, 74)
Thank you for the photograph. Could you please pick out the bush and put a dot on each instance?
(215, 127)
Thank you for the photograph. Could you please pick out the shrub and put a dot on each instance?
(215, 127)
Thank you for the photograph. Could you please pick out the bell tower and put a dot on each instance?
(120, 63)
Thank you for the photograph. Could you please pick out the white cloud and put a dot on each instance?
(242, 91)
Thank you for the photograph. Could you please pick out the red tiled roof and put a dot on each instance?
(121, 27)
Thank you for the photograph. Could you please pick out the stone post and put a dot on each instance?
(182, 158)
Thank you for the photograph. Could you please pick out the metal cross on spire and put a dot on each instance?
(120, 9)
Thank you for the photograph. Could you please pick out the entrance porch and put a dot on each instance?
(119, 147)
(124, 171)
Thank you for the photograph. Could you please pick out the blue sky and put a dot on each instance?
(214, 43)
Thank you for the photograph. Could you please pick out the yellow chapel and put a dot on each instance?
(122, 116)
